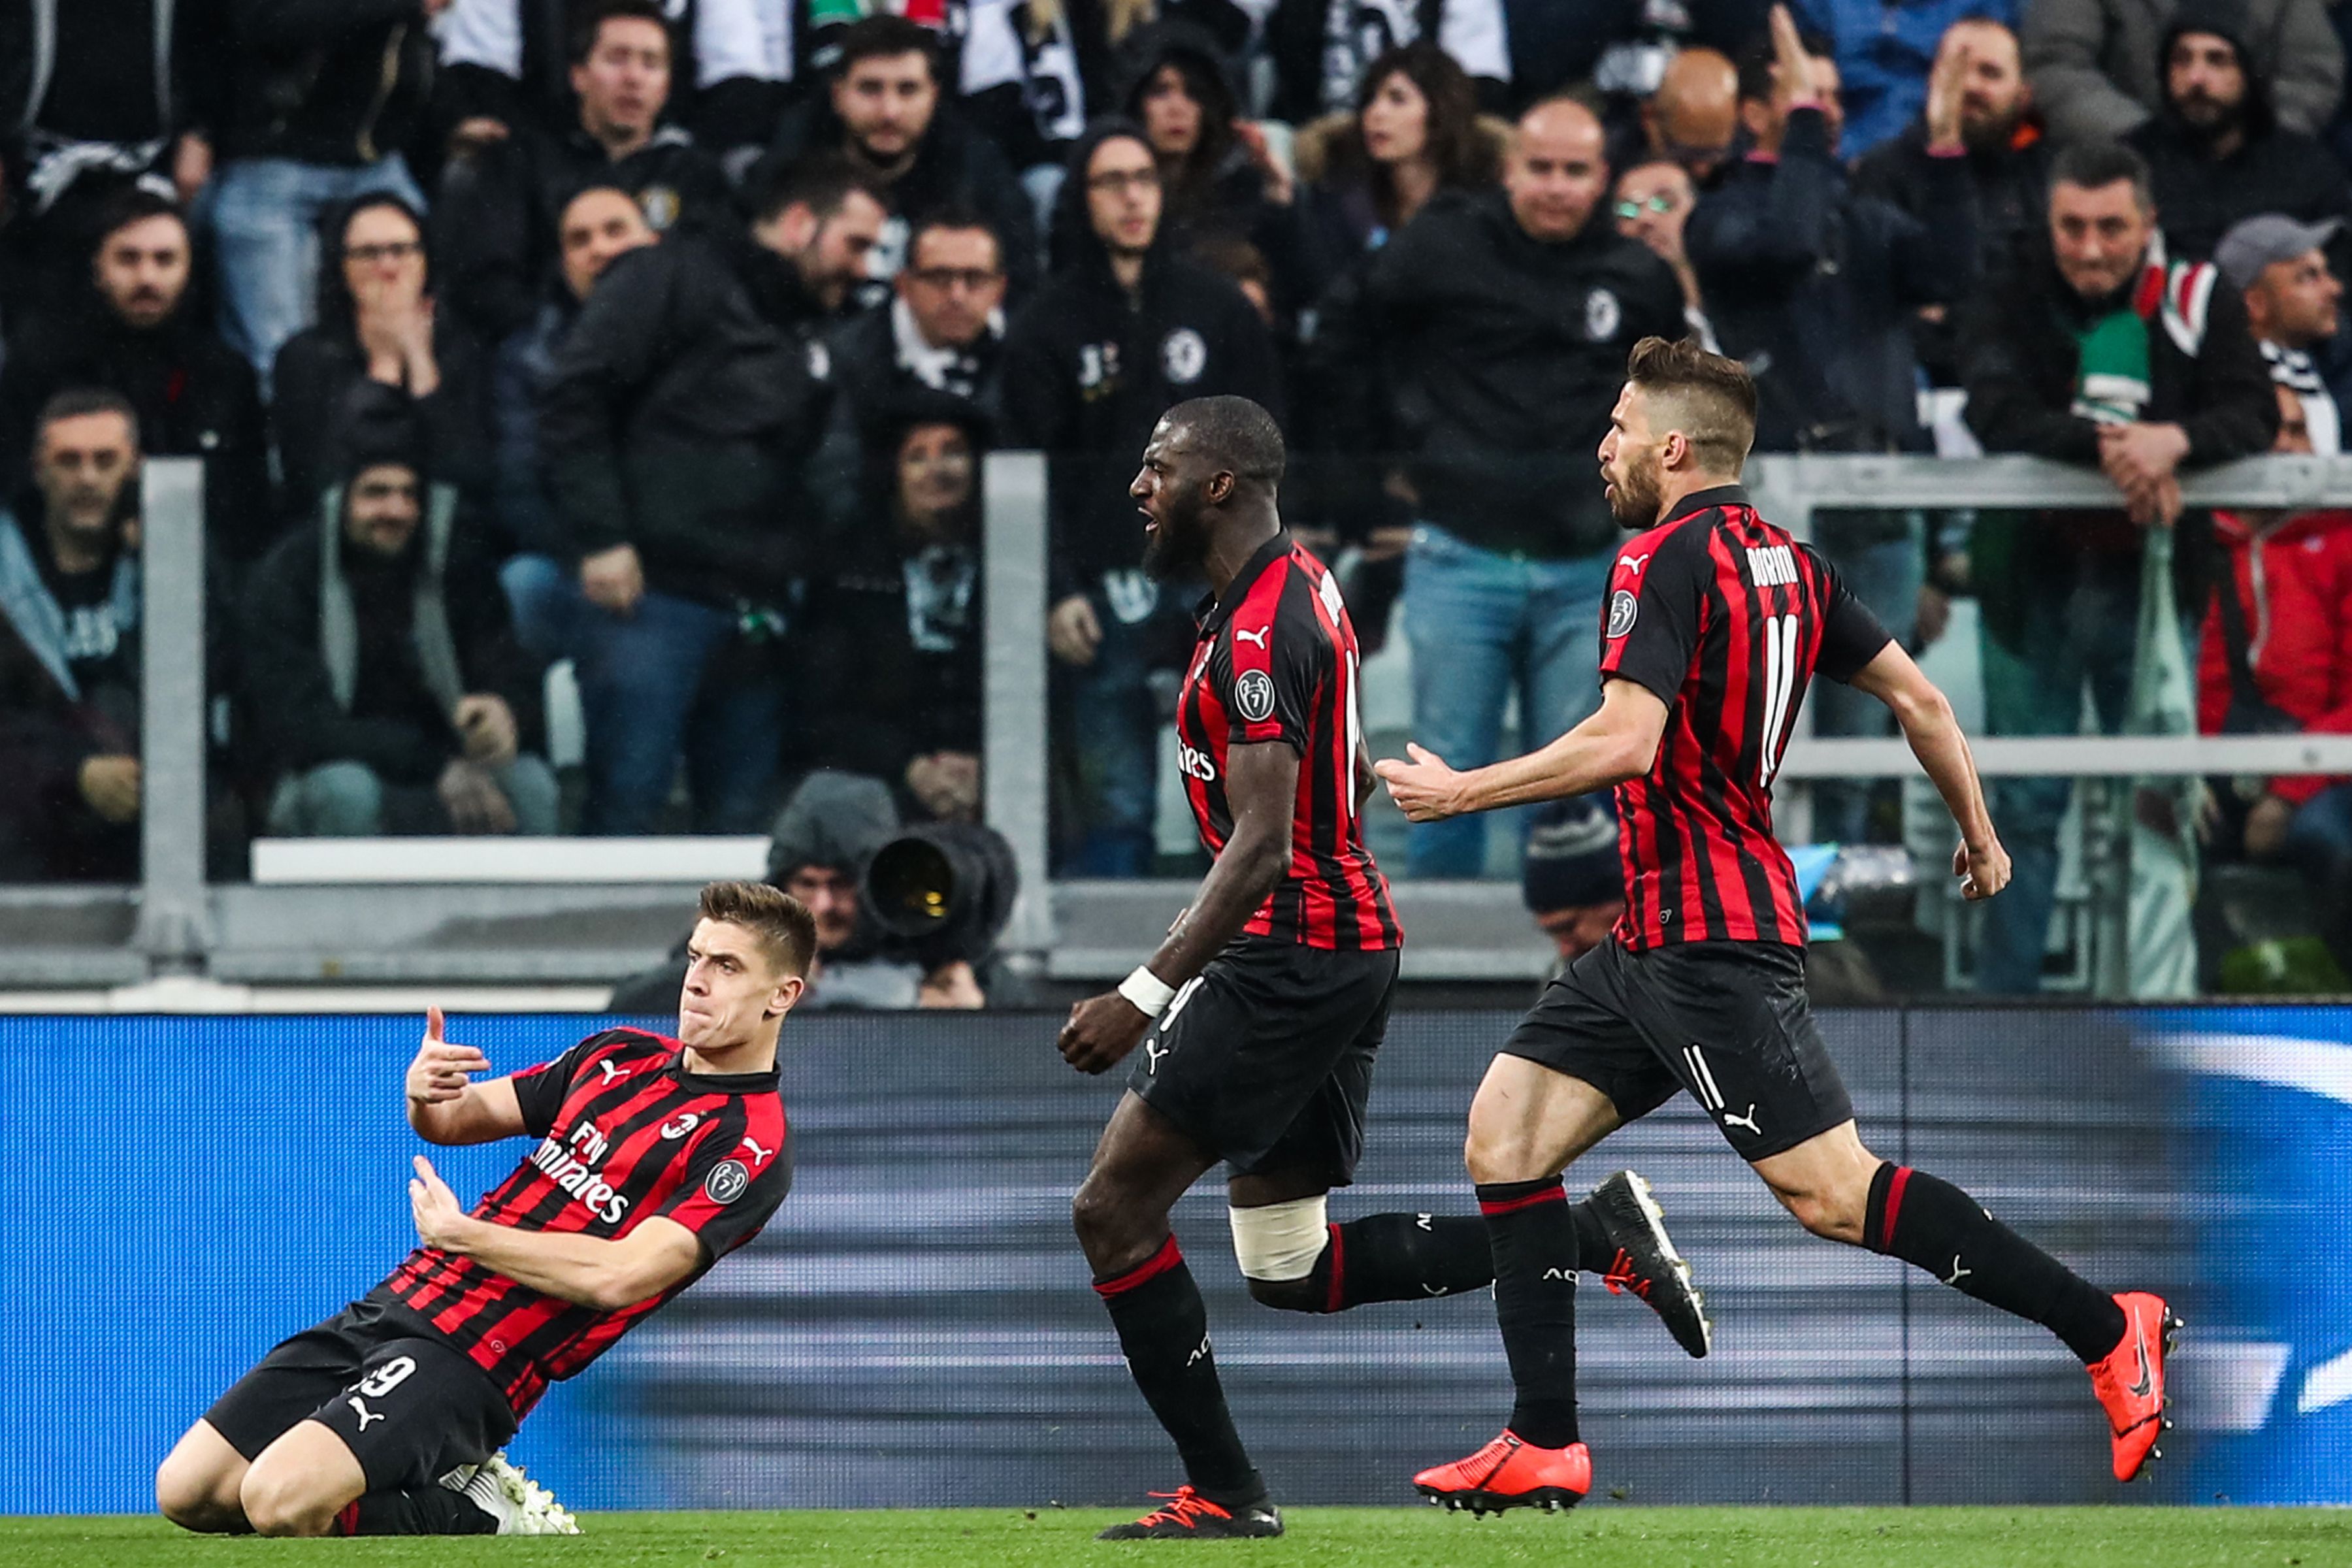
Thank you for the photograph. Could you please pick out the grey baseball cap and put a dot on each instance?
(2254, 243)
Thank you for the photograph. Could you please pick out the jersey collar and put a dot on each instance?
(725, 1082)
(1700, 501)
(1211, 612)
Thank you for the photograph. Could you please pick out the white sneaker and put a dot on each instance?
(520, 1505)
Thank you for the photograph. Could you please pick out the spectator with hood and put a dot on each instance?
(1570, 880)
(2099, 66)
(384, 690)
(70, 648)
(676, 428)
(2216, 151)
(1124, 328)
(496, 218)
(379, 322)
(884, 110)
(892, 659)
(1367, 172)
(135, 329)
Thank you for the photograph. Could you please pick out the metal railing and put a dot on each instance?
(581, 930)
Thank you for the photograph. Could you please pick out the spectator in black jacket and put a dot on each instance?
(1124, 328)
(883, 112)
(2097, 351)
(69, 680)
(943, 327)
(678, 414)
(2216, 151)
(134, 330)
(320, 97)
(1486, 348)
(385, 691)
(496, 223)
(596, 228)
(2008, 167)
(892, 656)
(379, 325)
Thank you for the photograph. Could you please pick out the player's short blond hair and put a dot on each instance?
(787, 930)
(1710, 398)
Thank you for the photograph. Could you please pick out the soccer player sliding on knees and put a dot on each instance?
(1260, 1015)
(653, 1159)
(1716, 621)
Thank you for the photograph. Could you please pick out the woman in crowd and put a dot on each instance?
(377, 323)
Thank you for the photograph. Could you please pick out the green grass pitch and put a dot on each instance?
(1388, 1537)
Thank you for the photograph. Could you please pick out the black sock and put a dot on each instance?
(1533, 1237)
(1163, 1329)
(426, 1511)
(1934, 1226)
(1595, 1253)
(1401, 1257)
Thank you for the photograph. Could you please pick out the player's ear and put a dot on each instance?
(1220, 488)
(789, 990)
(1676, 449)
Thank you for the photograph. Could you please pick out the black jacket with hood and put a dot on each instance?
(1485, 363)
(679, 415)
(1091, 368)
(320, 367)
(2274, 170)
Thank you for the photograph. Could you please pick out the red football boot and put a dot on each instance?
(2130, 1380)
(1508, 1473)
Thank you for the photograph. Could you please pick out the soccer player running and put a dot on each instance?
(1716, 623)
(654, 1158)
(1260, 1014)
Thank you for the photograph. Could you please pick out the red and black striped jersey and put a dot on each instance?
(625, 1131)
(1277, 661)
(1726, 617)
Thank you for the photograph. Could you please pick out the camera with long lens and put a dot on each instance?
(943, 892)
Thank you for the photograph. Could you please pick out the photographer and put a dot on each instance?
(903, 919)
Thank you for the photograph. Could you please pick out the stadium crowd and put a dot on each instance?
(665, 337)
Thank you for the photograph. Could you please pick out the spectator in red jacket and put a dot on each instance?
(2283, 660)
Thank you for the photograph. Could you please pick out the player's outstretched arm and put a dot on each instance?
(1616, 743)
(1262, 788)
(1925, 715)
(445, 1105)
(591, 1271)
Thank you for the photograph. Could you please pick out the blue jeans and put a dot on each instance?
(2319, 844)
(672, 677)
(264, 223)
(1112, 718)
(1884, 572)
(544, 602)
(2078, 629)
(1483, 624)
(347, 800)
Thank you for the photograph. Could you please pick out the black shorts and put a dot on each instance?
(411, 1405)
(1726, 1020)
(1266, 1057)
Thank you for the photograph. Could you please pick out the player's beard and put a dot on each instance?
(1177, 544)
(1634, 498)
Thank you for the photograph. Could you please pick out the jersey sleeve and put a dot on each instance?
(1270, 677)
(540, 1090)
(1650, 625)
(733, 1185)
(1851, 635)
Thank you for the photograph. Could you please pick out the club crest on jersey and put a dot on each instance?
(727, 1181)
(1623, 608)
(682, 1126)
(1254, 695)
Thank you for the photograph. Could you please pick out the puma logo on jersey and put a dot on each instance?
(1634, 564)
(612, 1074)
(1257, 636)
(367, 1418)
(759, 1156)
(1770, 565)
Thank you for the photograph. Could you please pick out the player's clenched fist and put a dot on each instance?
(1982, 872)
(1424, 789)
(441, 1070)
(1101, 1030)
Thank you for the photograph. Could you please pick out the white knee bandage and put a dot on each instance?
(1280, 1241)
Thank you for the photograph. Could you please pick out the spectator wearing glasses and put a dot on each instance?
(1653, 205)
(1124, 328)
(943, 327)
(496, 221)
(378, 323)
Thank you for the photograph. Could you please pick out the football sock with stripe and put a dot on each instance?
(1420, 1256)
(1932, 1224)
(1533, 1238)
(426, 1510)
(1163, 1330)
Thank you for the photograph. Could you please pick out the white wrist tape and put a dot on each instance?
(1280, 1241)
(1149, 994)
